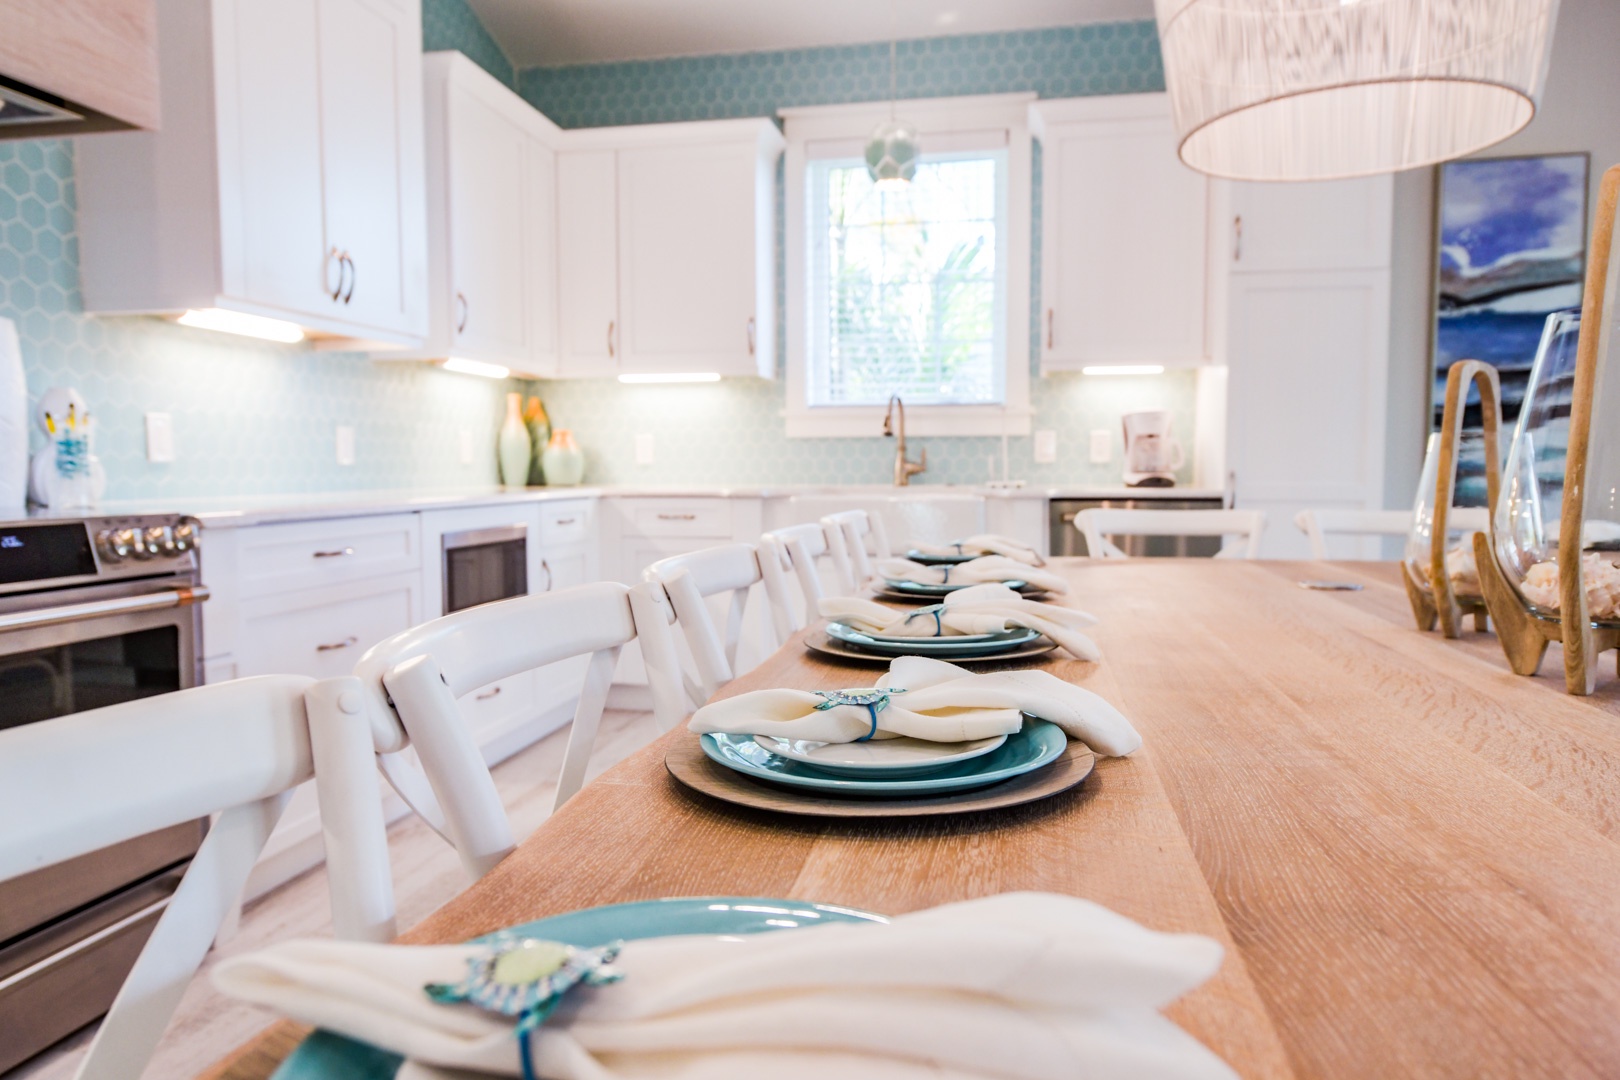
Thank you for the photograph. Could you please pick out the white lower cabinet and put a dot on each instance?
(322, 632)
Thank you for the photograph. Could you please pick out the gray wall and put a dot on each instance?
(1580, 110)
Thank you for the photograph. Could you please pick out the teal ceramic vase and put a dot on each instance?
(563, 461)
(512, 445)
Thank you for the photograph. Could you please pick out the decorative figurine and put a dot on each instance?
(65, 472)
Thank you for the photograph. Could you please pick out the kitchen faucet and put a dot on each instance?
(903, 470)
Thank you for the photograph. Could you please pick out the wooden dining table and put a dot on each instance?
(1408, 852)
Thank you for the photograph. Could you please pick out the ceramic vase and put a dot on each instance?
(13, 424)
(534, 415)
(512, 445)
(563, 460)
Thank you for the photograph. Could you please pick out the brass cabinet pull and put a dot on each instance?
(333, 646)
(611, 350)
(1050, 314)
(677, 517)
(493, 691)
(352, 275)
(750, 335)
(336, 554)
(461, 301)
(1237, 238)
(551, 578)
(565, 521)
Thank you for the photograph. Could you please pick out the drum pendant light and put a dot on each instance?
(1328, 89)
(891, 149)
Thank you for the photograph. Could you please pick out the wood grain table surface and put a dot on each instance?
(1409, 852)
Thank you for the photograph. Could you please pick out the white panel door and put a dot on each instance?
(687, 259)
(272, 159)
(588, 246)
(1124, 246)
(1309, 364)
(486, 250)
(540, 254)
(365, 61)
(1332, 225)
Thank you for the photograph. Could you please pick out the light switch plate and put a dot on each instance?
(345, 445)
(1102, 446)
(466, 447)
(159, 437)
(1045, 447)
(644, 448)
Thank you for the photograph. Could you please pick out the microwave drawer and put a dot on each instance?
(706, 518)
(565, 523)
(278, 558)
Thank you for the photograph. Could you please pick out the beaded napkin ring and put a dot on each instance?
(934, 610)
(875, 701)
(527, 978)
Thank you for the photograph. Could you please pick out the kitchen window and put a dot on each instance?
(921, 290)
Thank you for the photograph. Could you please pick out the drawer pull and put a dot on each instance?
(677, 517)
(493, 691)
(565, 521)
(334, 554)
(333, 646)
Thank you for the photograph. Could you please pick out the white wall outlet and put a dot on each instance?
(466, 447)
(1102, 446)
(159, 437)
(1045, 447)
(345, 445)
(644, 448)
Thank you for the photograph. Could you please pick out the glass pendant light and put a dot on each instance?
(1328, 89)
(891, 150)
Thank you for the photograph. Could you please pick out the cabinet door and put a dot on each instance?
(1330, 225)
(372, 160)
(1123, 246)
(687, 259)
(486, 251)
(270, 158)
(588, 245)
(1308, 370)
(540, 254)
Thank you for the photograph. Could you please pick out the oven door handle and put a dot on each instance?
(96, 609)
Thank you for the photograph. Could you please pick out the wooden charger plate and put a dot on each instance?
(885, 593)
(819, 642)
(689, 765)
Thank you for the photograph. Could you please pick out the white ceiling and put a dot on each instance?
(587, 31)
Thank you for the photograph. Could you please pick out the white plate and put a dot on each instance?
(879, 757)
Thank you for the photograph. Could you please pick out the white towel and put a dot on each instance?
(987, 568)
(941, 703)
(985, 544)
(980, 609)
(1023, 986)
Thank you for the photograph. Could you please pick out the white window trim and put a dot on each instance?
(932, 116)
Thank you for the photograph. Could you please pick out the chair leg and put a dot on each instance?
(587, 718)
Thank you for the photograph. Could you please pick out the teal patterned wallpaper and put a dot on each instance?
(248, 418)
(733, 431)
(451, 24)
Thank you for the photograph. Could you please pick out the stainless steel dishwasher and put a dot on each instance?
(1067, 540)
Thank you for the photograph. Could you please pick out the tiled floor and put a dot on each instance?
(426, 874)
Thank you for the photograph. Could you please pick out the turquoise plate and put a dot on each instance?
(939, 560)
(1038, 743)
(919, 589)
(325, 1056)
(978, 646)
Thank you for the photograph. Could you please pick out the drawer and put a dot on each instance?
(563, 523)
(707, 518)
(489, 710)
(324, 632)
(277, 558)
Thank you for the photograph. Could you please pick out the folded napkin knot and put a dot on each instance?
(936, 610)
(526, 978)
(874, 700)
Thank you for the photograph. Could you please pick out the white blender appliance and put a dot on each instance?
(1152, 455)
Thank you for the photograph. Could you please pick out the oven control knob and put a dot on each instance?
(185, 537)
(115, 544)
(160, 542)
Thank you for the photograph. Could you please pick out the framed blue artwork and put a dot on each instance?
(1511, 250)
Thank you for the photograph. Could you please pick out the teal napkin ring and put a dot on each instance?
(875, 699)
(934, 610)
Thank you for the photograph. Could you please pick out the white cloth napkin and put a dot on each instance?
(996, 568)
(941, 703)
(979, 609)
(1022, 986)
(985, 544)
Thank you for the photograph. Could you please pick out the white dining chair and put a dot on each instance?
(413, 679)
(799, 550)
(1318, 525)
(857, 527)
(690, 579)
(1239, 529)
(89, 780)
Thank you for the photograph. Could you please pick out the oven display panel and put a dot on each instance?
(45, 552)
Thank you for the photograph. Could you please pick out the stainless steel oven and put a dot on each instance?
(1067, 540)
(93, 612)
(485, 565)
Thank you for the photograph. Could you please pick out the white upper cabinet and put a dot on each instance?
(1324, 225)
(287, 180)
(667, 232)
(491, 221)
(1124, 236)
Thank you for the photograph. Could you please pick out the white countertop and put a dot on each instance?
(226, 512)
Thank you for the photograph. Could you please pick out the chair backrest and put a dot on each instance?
(798, 548)
(1318, 525)
(856, 526)
(729, 568)
(88, 780)
(1245, 526)
(412, 681)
